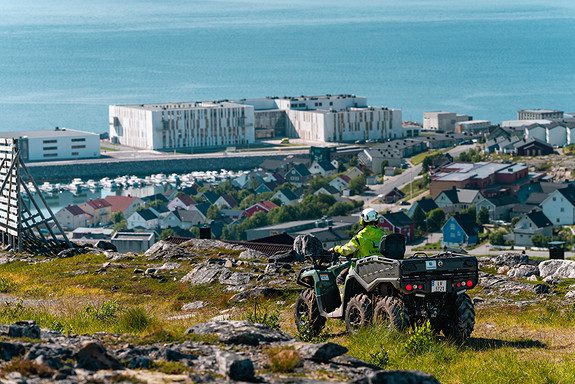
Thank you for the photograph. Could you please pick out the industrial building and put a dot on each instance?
(56, 144)
(538, 114)
(182, 125)
(443, 121)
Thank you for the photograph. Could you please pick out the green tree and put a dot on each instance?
(419, 219)
(357, 185)
(213, 212)
(353, 162)
(117, 217)
(435, 219)
(166, 233)
(195, 232)
(496, 238)
(483, 216)
(121, 226)
(471, 211)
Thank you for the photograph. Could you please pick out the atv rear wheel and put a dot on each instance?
(463, 315)
(307, 318)
(358, 313)
(392, 312)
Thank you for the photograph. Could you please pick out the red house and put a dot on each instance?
(265, 206)
(398, 222)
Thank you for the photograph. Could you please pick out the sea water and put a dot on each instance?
(62, 62)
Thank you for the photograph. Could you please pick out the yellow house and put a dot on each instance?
(100, 209)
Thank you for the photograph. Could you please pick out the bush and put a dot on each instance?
(283, 359)
(380, 357)
(6, 284)
(107, 311)
(134, 320)
(421, 339)
(266, 317)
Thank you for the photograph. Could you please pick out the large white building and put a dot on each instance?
(443, 121)
(329, 118)
(182, 125)
(57, 144)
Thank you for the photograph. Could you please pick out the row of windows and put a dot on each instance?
(82, 139)
(50, 148)
(78, 146)
(50, 154)
(49, 141)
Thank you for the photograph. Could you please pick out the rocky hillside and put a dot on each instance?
(217, 344)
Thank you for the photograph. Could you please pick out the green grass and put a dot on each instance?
(109, 149)
(417, 159)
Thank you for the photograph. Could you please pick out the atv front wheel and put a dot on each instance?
(463, 321)
(307, 318)
(358, 313)
(391, 311)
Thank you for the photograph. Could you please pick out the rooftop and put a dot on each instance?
(48, 133)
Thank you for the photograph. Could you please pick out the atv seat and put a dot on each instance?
(392, 246)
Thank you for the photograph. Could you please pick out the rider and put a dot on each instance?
(365, 243)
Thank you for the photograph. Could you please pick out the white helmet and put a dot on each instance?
(369, 215)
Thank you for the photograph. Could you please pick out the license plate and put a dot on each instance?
(439, 286)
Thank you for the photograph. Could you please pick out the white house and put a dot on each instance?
(324, 168)
(529, 225)
(145, 218)
(181, 202)
(287, 196)
(454, 200)
(570, 135)
(182, 218)
(56, 144)
(498, 207)
(340, 183)
(559, 206)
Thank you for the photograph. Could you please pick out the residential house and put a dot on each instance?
(532, 147)
(234, 214)
(455, 200)
(181, 201)
(340, 183)
(536, 131)
(182, 218)
(499, 208)
(298, 175)
(144, 218)
(398, 222)
(157, 197)
(530, 225)
(327, 190)
(545, 188)
(264, 206)
(201, 209)
(354, 172)
(72, 217)
(559, 206)
(426, 204)
(324, 168)
(393, 196)
(556, 135)
(100, 211)
(226, 201)
(268, 186)
(126, 204)
(210, 196)
(460, 230)
(287, 196)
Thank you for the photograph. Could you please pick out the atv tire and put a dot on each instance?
(358, 313)
(307, 318)
(463, 322)
(392, 312)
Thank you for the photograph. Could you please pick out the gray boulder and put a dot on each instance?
(194, 305)
(10, 350)
(255, 292)
(239, 332)
(563, 269)
(204, 274)
(511, 259)
(523, 271)
(234, 366)
(398, 377)
(251, 254)
(25, 328)
(93, 356)
(323, 352)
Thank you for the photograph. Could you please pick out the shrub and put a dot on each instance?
(266, 317)
(283, 360)
(421, 338)
(380, 357)
(6, 284)
(28, 368)
(107, 311)
(134, 320)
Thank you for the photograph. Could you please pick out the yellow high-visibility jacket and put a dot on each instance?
(365, 243)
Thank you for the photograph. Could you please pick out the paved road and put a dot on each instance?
(370, 196)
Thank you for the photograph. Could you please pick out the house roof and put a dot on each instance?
(147, 214)
(282, 238)
(398, 219)
(301, 169)
(568, 193)
(330, 189)
(120, 203)
(345, 178)
(268, 205)
(75, 210)
(289, 194)
(186, 216)
(229, 199)
(326, 165)
(461, 195)
(467, 224)
(426, 205)
(186, 200)
(536, 198)
(98, 203)
(157, 196)
(539, 219)
(502, 200)
(395, 192)
(211, 196)
(203, 208)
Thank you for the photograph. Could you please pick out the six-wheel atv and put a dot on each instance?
(389, 289)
